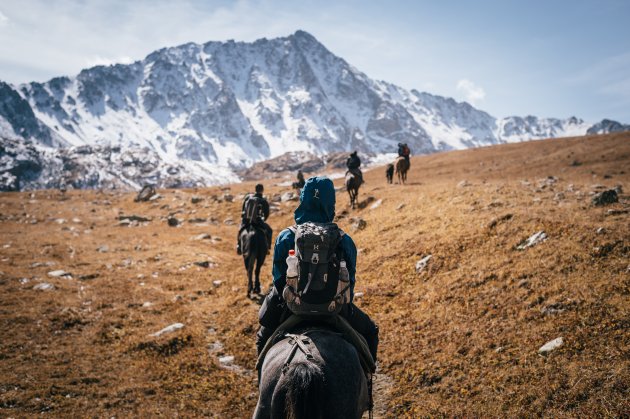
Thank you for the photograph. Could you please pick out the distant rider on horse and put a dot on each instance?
(354, 163)
(317, 205)
(255, 212)
(403, 151)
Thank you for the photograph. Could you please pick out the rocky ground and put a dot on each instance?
(109, 309)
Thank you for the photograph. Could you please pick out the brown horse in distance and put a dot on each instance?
(402, 167)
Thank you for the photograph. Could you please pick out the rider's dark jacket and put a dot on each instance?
(353, 162)
(317, 204)
(264, 210)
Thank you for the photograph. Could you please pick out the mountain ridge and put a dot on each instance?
(219, 107)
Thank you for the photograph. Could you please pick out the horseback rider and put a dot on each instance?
(317, 204)
(354, 163)
(403, 151)
(255, 212)
(300, 178)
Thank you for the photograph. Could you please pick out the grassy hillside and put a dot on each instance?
(461, 337)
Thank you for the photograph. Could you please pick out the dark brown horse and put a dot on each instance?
(314, 375)
(389, 173)
(402, 167)
(254, 245)
(353, 182)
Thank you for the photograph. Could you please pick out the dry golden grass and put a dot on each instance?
(459, 339)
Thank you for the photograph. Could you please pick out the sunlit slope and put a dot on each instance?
(459, 338)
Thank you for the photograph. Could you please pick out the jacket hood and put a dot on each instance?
(317, 201)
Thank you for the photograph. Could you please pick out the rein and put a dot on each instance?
(298, 342)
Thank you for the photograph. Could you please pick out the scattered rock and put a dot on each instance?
(60, 274)
(546, 182)
(601, 230)
(217, 282)
(103, 249)
(147, 304)
(422, 263)
(172, 221)
(533, 240)
(155, 197)
(124, 223)
(228, 197)
(87, 277)
(145, 194)
(76, 220)
(618, 189)
(226, 360)
(550, 346)
(198, 220)
(203, 236)
(617, 211)
(400, 206)
(376, 204)
(196, 199)
(204, 264)
(228, 222)
(38, 264)
(44, 286)
(358, 295)
(358, 223)
(168, 329)
(605, 198)
(559, 196)
(134, 217)
(463, 184)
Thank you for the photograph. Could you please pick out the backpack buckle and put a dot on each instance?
(315, 258)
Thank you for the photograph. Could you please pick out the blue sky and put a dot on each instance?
(545, 58)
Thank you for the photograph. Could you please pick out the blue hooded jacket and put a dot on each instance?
(317, 204)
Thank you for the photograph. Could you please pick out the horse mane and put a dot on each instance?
(305, 391)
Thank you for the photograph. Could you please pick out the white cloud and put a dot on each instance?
(473, 93)
(3, 18)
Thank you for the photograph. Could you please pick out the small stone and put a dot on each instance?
(400, 206)
(376, 204)
(60, 274)
(605, 198)
(203, 236)
(168, 329)
(147, 304)
(228, 222)
(103, 249)
(172, 221)
(463, 184)
(358, 223)
(228, 197)
(196, 199)
(226, 360)
(422, 263)
(204, 264)
(44, 286)
(217, 283)
(358, 295)
(601, 230)
(76, 220)
(533, 240)
(550, 346)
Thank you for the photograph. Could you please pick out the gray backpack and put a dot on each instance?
(322, 286)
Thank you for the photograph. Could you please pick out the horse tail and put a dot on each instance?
(305, 391)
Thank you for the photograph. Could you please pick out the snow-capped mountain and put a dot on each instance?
(210, 109)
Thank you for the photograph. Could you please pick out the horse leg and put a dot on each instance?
(259, 263)
(250, 268)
